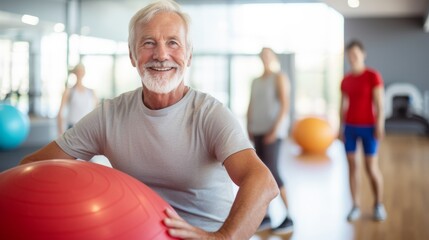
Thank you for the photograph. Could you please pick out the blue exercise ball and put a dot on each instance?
(14, 127)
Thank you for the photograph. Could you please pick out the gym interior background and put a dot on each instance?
(36, 52)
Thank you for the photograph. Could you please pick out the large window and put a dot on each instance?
(312, 32)
(210, 74)
(53, 54)
(14, 73)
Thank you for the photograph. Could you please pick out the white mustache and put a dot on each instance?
(158, 64)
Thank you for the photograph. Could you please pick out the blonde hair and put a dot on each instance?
(274, 64)
(145, 14)
(77, 67)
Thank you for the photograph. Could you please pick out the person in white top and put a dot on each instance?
(268, 121)
(182, 143)
(78, 100)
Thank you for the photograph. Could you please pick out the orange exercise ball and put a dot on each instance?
(314, 135)
(71, 199)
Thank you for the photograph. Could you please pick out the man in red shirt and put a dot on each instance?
(362, 118)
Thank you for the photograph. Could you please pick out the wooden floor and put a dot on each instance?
(319, 196)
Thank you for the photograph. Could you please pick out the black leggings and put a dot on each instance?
(269, 154)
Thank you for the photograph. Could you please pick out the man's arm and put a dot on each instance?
(50, 151)
(343, 105)
(257, 188)
(378, 95)
(282, 86)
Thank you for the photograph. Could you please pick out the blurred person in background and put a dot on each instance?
(76, 101)
(362, 119)
(268, 122)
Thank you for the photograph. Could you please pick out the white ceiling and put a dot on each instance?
(382, 8)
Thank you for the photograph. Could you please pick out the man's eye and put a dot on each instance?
(174, 44)
(148, 44)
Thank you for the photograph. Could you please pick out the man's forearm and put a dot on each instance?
(50, 151)
(250, 206)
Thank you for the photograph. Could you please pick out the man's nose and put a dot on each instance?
(160, 53)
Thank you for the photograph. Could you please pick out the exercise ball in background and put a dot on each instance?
(314, 135)
(14, 127)
(71, 199)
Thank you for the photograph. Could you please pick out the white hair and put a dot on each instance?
(145, 14)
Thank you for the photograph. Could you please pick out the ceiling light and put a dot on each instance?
(353, 3)
(31, 20)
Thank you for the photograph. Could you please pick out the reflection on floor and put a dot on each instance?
(317, 189)
(319, 196)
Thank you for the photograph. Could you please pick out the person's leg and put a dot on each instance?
(370, 146)
(354, 178)
(350, 142)
(271, 154)
(354, 183)
(372, 167)
(376, 178)
(259, 148)
(287, 225)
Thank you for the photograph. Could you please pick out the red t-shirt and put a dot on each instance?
(359, 90)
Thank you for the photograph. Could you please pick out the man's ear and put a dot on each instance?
(189, 59)
(131, 57)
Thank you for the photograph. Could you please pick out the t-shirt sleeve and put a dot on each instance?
(377, 79)
(224, 134)
(84, 139)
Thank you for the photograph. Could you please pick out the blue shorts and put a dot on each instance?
(366, 133)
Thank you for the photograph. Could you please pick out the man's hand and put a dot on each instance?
(179, 228)
(340, 136)
(379, 132)
(270, 137)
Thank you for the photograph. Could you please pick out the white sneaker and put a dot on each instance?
(354, 214)
(285, 227)
(379, 212)
(265, 224)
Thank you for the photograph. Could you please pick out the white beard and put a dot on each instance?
(160, 84)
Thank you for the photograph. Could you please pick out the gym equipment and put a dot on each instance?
(314, 135)
(402, 89)
(72, 199)
(404, 109)
(14, 127)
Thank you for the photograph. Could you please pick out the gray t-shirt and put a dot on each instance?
(265, 107)
(178, 151)
(79, 104)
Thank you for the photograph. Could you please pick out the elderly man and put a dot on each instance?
(182, 143)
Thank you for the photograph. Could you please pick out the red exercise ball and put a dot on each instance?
(70, 199)
(313, 134)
